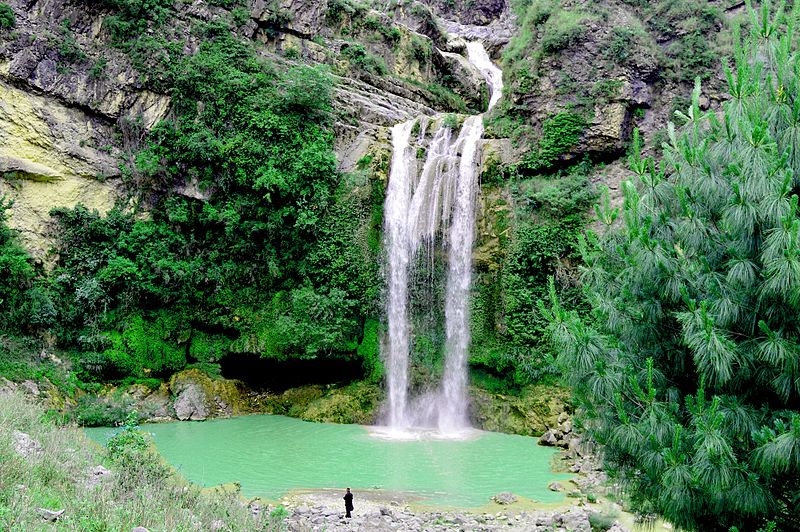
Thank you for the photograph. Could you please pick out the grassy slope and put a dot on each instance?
(141, 491)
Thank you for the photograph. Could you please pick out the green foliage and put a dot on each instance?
(546, 27)
(92, 411)
(339, 10)
(451, 121)
(16, 278)
(134, 17)
(687, 370)
(134, 456)
(625, 42)
(146, 347)
(369, 350)
(68, 47)
(98, 68)
(560, 133)
(421, 49)
(360, 58)
(7, 17)
(543, 243)
(691, 24)
(563, 29)
(601, 522)
(278, 259)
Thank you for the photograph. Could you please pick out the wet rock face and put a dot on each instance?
(471, 12)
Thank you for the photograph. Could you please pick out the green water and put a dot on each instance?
(271, 455)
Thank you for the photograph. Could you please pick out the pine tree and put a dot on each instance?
(688, 369)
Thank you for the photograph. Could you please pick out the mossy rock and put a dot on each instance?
(531, 413)
(222, 397)
(353, 404)
(294, 401)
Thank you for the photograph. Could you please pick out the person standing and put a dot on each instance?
(348, 503)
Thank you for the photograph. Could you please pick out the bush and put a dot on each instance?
(563, 29)
(16, 275)
(359, 57)
(92, 411)
(560, 133)
(7, 17)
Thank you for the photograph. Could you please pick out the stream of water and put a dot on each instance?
(419, 204)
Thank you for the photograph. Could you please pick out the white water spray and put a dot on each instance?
(417, 206)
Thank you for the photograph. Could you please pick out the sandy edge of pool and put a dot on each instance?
(374, 500)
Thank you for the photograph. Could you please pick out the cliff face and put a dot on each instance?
(72, 103)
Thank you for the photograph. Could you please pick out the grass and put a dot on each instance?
(141, 490)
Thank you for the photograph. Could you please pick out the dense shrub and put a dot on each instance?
(16, 275)
(277, 259)
(7, 17)
(560, 133)
(543, 242)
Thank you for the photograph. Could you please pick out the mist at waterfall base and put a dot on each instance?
(419, 206)
(272, 455)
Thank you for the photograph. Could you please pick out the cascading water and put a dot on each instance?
(417, 206)
(453, 400)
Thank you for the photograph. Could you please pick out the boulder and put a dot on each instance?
(196, 396)
(471, 83)
(610, 129)
(97, 475)
(50, 515)
(549, 438)
(303, 17)
(555, 486)
(575, 520)
(190, 403)
(505, 498)
(26, 446)
(531, 413)
(31, 388)
(7, 387)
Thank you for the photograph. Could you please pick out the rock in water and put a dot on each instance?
(548, 438)
(555, 486)
(505, 498)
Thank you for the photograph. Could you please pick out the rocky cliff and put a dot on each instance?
(73, 103)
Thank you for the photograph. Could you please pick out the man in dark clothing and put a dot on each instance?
(348, 503)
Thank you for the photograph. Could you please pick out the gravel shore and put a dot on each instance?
(381, 511)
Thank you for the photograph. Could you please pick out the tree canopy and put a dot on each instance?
(688, 368)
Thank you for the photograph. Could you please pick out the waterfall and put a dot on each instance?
(396, 242)
(453, 401)
(477, 55)
(418, 204)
